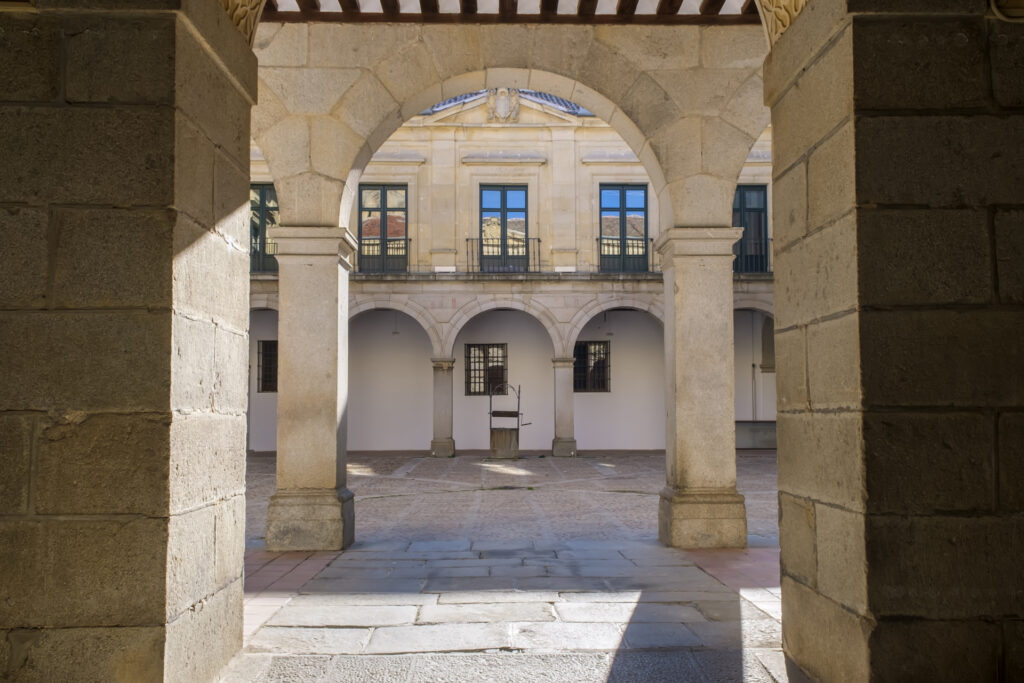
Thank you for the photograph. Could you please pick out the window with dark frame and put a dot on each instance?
(266, 366)
(623, 238)
(504, 231)
(486, 367)
(750, 212)
(383, 221)
(263, 214)
(591, 368)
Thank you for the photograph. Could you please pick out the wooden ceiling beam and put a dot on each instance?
(507, 9)
(586, 8)
(749, 7)
(711, 7)
(429, 6)
(626, 8)
(669, 7)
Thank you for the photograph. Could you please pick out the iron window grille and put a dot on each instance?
(383, 221)
(266, 366)
(263, 214)
(486, 367)
(504, 231)
(592, 367)
(622, 243)
(750, 212)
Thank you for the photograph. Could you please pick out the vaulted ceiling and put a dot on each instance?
(516, 11)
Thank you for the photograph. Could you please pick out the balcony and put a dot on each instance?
(509, 255)
(753, 256)
(618, 255)
(390, 255)
(261, 256)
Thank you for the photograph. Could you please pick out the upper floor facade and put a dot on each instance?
(514, 184)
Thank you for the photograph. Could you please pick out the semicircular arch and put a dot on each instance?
(538, 311)
(594, 308)
(412, 309)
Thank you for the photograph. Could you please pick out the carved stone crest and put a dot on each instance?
(778, 15)
(245, 15)
(503, 105)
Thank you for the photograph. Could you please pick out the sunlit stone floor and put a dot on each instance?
(470, 569)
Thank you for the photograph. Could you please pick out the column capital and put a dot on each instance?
(442, 363)
(563, 362)
(697, 241)
(306, 241)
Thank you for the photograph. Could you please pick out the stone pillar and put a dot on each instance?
(564, 443)
(700, 507)
(899, 242)
(123, 318)
(312, 509)
(443, 445)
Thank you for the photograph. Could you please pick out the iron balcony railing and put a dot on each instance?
(390, 255)
(261, 255)
(618, 255)
(753, 256)
(510, 255)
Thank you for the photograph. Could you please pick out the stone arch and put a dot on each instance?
(588, 312)
(690, 127)
(538, 311)
(412, 309)
(764, 305)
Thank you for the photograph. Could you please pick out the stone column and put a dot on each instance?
(443, 445)
(123, 318)
(312, 509)
(564, 443)
(700, 507)
(899, 242)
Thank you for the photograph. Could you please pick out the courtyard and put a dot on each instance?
(472, 569)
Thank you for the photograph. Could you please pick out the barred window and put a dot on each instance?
(486, 366)
(266, 365)
(591, 370)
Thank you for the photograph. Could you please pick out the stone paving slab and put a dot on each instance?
(562, 636)
(288, 640)
(344, 615)
(627, 613)
(450, 581)
(485, 613)
(439, 638)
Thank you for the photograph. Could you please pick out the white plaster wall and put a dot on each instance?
(390, 383)
(262, 416)
(755, 390)
(632, 415)
(529, 365)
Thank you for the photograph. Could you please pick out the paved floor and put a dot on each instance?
(539, 569)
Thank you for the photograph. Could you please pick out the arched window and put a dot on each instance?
(768, 345)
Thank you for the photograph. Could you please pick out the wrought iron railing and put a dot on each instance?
(389, 255)
(510, 255)
(616, 255)
(261, 255)
(753, 256)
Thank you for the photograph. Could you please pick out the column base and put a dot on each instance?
(563, 448)
(442, 448)
(310, 519)
(702, 519)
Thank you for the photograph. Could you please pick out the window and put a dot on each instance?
(263, 214)
(383, 214)
(623, 240)
(750, 212)
(591, 368)
(503, 229)
(266, 365)
(486, 367)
